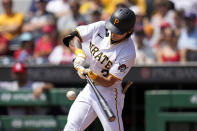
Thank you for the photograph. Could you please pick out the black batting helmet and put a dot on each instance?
(121, 21)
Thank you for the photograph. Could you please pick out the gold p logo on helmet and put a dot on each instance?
(116, 21)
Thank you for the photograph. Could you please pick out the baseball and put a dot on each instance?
(71, 95)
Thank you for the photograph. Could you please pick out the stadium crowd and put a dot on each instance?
(166, 31)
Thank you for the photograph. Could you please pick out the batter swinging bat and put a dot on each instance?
(110, 115)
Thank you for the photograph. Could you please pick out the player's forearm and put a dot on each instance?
(76, 47)
(47, 86)
(75, 43)
(105, 81)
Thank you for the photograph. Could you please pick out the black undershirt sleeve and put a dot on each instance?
(68, 38)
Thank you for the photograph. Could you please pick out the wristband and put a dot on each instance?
(80, 53)
(92, 75)
(80, 69)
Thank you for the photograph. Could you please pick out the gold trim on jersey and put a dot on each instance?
(115, 76)
(110, 40)
(79, 35)
(117, 113)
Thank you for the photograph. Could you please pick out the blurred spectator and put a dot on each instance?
(142, 22)
(25, 52)
(109, 6)
(142, 6)
(188, 38)
(139, 16)
(95, 16)
(144, 53)
(162, 14)
(121, 5)
(178, 21)
(89, 6)
(45, 43)
(37, 21)
(10, 21)
(58, 7)
(20, 81)
(167, 50)
(162, 36)
(106, 7)
(61, 54)
(187, 5)
(4, 43)
(148, 30)
(32, 8)
(71, 20)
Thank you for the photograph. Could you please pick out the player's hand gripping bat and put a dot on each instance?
(110, 115)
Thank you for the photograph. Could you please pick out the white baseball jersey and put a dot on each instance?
(103, 58)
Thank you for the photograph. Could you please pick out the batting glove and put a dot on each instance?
(78, 62)
(83, 71)
(79, 59)
(80, 53)
(80, 70)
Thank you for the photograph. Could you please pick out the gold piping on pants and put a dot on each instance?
(116, 96)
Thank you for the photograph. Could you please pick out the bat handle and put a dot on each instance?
(89, 80)
(112, 118)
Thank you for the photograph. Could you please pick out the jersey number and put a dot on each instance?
(105, 72)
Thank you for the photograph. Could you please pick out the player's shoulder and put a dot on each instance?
(92, 26)
(129, 45)
(128, 48)
(98, 24)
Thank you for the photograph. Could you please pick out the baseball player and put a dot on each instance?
(109, 50)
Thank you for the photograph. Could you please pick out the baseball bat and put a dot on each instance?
(110, 115)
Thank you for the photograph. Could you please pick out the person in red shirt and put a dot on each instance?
(167, 50)
(45, 43)
(4, 43)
